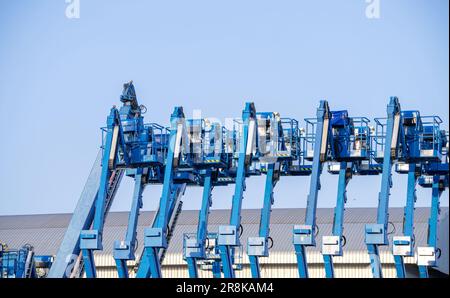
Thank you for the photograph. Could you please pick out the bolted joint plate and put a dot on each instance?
(402, 246)
(426, 256)
(91, 239)
(154, 237)
(303, 235)
(331, 245)
(257, 246)
(228, 236)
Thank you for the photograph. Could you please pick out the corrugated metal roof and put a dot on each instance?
(45, 232)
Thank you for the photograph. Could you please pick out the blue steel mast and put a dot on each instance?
(258, 246)
(279, 149)
(427, 255)
(97, 195)
(376, 234)
(124, 250)
(437, 177)
(211, 163)
(335, 241)
(195, 247)
(228, 237)
(303, 235)
(403, 246)
(155, 237)
(352, 156)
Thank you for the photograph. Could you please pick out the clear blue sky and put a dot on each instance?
(59, 77)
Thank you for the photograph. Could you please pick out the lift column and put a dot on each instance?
(91, 240)
(155, 237)
(426, 256)
(98, 193)
(228, 237)
(376, 234)
(195, 247)
(258, 246)
(437, 177)
(303, 235)
(124, 250)
(332, 245)
(403, 246)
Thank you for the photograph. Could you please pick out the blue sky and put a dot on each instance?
(59, 77)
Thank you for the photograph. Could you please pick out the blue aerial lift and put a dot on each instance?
(278, 142)
(352, 156)
(211, 160)
(435, 176)
(259, 246)
(192, 153)
(228, 235)
(422, 145)
(128, 146)
(411, 146)
(344, 142)
(272, 146)
(304, 235)
(124, 250)
(23, 262)
(287, 158)
(391, 139)
(155, 237)
(150, 172)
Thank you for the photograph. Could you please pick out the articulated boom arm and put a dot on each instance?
(86, 226)
(259, 246)
(200, 152)
(208, 163)
(124, 250)
(376, 234)
(304, 235)
(403, 246)
(195, 246)
(155, 237)
(427, 255)
(228, 237)
(437, 178)
(332, 245)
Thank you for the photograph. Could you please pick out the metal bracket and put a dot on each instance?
(154, 237)
(257, 246)
(228, 236)
(91, 239)
(375, 234)
(426, 256)
(303, 235)
(331, 245)
(402, 246)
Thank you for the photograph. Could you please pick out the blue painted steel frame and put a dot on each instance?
(91, 240)
(304, 235)
(376, 234)
(408, 222)
(226, 248)
(155, 236)
(81, 220)
(433, 221)
(124, 250)
(202, 227)
(272, 177)
(345, 174)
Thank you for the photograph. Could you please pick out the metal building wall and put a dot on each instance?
(278, 265)
(273, 271)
